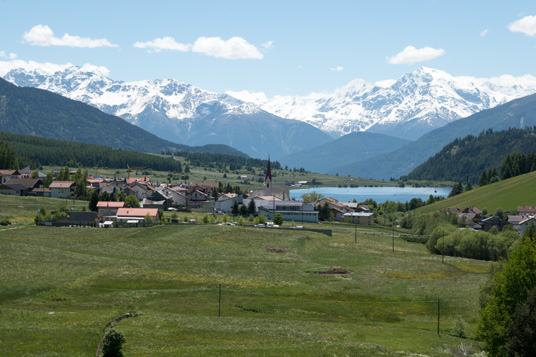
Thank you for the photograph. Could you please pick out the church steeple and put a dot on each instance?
(268, 180)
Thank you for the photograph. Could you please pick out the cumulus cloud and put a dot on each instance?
(337, 69)
(163, 44)
(412, 55)
(4, 54)
(526, 25)
(42, 35)
(233, 48)
(484, 32)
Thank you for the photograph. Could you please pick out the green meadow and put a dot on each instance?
(507, 194)
(60, 286)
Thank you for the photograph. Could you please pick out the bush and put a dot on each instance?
(278, 219)
(4, 221)
(113, 343)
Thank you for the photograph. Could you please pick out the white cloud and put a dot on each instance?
(164, 43)
(337, 69)
(233, 48)
(526, 25)
(484, 32)
(4, 54)
(412, 55)
(42, 35)
(268, 45)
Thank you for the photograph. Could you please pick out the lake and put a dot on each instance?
(378, 194)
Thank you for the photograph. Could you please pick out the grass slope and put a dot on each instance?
(507, 194)
(60, 286)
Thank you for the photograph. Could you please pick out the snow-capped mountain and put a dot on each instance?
(177, 111)
(408, 107)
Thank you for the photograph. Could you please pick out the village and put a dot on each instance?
(152, 199)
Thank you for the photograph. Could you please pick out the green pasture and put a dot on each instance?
(60, 286)
(507, 194)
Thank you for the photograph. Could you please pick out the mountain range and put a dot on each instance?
(32, 111)
(408, 107)
(519, 113)
(179, 112)
(424, 106)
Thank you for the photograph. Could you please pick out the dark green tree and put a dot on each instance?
(509, 289)
(278, 219)
(93, 200)
(243, 211)
(112, 344)
(252, 209)
(234, 208)
(521, 334)
(48, 179)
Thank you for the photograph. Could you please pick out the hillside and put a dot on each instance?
(32, 111)
(325, 158)
(505, 194)
(519, 113)
(467, 158)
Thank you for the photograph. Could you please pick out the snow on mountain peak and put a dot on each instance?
(406, 107)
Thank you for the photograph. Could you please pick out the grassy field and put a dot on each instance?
(60, 286)
(507, 194)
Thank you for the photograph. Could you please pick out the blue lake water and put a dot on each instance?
(378, 194)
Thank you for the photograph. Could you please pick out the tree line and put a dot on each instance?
(40, 151)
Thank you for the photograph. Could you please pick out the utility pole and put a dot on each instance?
(393, 236)
(355, 237)
(443, 249)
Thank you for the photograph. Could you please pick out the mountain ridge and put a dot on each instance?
(33, 111)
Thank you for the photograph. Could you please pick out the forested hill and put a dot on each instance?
(36, 151)
(32, 111)
(470, 156)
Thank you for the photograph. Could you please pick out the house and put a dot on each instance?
(142, 180)
(526, 210)
(520, 223)
(363, 218)
(177, 197)
(491, 222)
(108, 209)
(290, 210)
(226, 201)
(8, 174)
(27, 173)
(337, 208)
(136, 215)
(29, 183)
(41, 192)
(139, 190)
(82, 218)
(62, 189)
(13, 190)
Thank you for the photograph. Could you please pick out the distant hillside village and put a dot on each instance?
(138, 200)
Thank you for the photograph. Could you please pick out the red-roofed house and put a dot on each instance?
(109, 208)
(136, 215)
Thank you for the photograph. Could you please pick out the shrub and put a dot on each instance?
(113, 343)
(4, 221)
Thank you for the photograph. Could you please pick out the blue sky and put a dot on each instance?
(275, 47)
